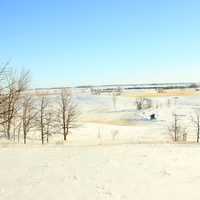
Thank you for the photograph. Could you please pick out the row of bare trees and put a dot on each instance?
(12, 85)
(178, 131)
(48, 116)
(22, 111)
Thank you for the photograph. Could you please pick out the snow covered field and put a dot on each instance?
(136, 171)
(114, 153)
(99, 121)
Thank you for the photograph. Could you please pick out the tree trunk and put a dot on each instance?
(24, 136)
(18, 135)
(48, 133)
(8, 131)
(175, 129)
(47, 137)
(65, 135)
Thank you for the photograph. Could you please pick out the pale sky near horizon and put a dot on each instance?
(82, 42)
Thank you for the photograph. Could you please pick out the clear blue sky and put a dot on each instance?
(102, 41)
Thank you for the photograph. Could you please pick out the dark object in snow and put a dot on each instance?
(152, 116)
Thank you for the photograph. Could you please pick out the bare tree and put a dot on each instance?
(196, 122)
(28, 116)
(45, 119)
(142, 103)
(139, 103)
(43, 107)
(18, 129)
(16, 125)
(12, 91)
(3, 93)
(68, 112)
(177, 131)
(49, 124)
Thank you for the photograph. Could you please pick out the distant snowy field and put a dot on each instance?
(99, 120)
(115, 153)
(121, 172)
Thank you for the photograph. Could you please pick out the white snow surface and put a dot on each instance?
(113, 154)
(115, 172)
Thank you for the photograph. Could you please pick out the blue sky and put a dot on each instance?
(81, 42)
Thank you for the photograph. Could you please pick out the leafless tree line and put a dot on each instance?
(22, 112)
(179, 131)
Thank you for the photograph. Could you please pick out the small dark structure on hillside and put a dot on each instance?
(152, 116)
